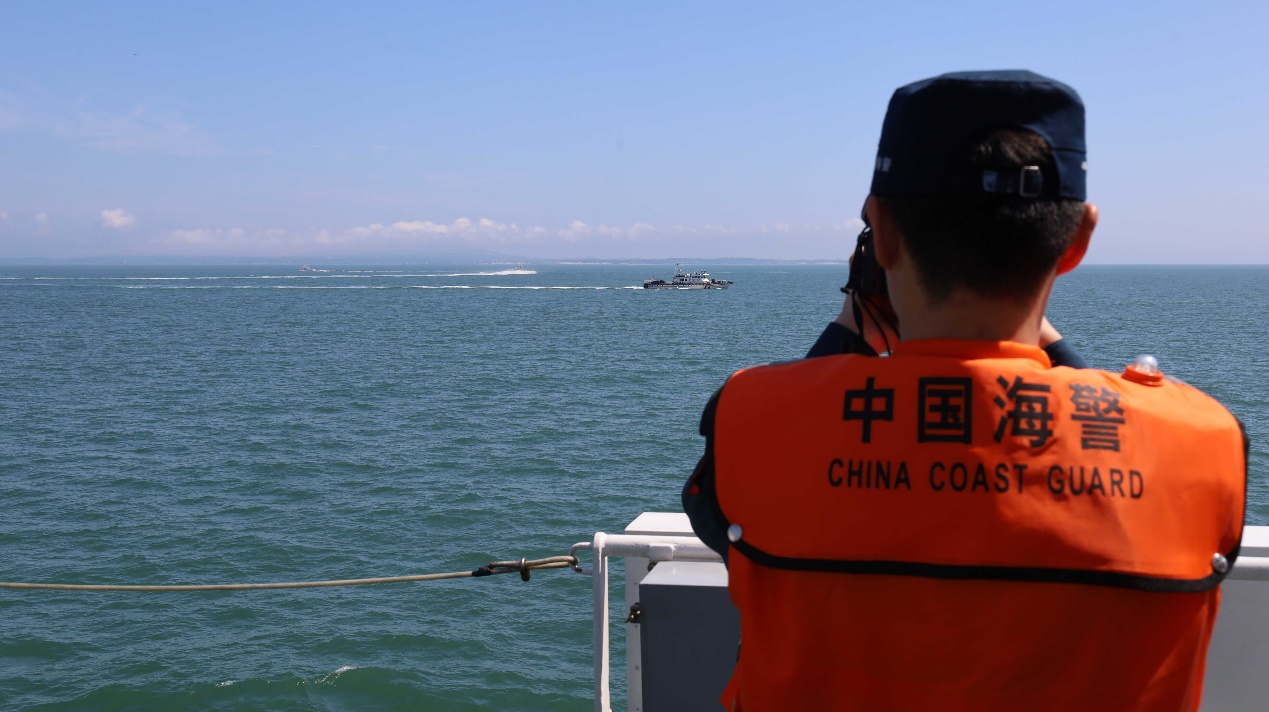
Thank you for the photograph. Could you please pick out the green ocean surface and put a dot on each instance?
(257, 424)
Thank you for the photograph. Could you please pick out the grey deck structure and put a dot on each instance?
(681, 651)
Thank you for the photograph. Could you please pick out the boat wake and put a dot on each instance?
(330, 678)
(381, 286)
(501, 273)
(505, 286)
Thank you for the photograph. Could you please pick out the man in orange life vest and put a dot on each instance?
(962, 525)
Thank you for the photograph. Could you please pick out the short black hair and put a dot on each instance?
(993, 245)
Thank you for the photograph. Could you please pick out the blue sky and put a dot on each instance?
(609, 130)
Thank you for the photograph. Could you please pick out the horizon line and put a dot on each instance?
(230, 261)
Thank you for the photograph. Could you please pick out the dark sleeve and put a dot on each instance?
(1063, 354)
(700, 498)
(837, 339)
(1246, 465)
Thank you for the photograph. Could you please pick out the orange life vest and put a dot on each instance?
(962, 526)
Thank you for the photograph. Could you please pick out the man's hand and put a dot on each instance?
(878, 322)
(1048, 334)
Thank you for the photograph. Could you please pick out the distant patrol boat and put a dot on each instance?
(687, 280)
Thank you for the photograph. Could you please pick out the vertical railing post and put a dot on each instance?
(599, 580)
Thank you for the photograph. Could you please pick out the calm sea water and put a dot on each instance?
(178, 425)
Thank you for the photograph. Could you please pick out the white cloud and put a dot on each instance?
(4, 214)
(638, 239)
(853, 225)
(235, 241)
(493, 233)
(709, 229)
(357, 232)
(42, 222)
(640, 229)
(428, 227)
(427, 231)
(579, 231)
(117, 219)
(575, 230)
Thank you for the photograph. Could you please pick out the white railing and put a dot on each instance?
(654, 549)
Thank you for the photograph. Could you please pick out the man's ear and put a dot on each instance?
(885, 241)
(1075, 253)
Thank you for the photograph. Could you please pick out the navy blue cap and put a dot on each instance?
(927, 121)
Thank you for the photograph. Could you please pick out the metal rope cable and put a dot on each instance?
(523, 566)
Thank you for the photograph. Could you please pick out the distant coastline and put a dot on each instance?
(172, 261)
(327, 262)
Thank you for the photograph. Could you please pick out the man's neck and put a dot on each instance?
(968, 316)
